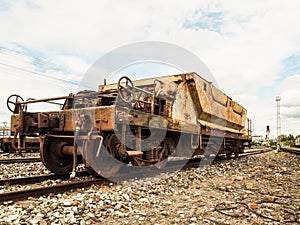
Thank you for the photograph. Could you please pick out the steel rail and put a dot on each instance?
(38, 179)
(291, 150)
(20, 160)
(128, 173)
(58, 188)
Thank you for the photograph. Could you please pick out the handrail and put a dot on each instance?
(43, 100)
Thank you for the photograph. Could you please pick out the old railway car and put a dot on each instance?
(138, 122)
(17, 144)
(297, 141)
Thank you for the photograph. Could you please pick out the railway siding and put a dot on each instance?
(259, 189)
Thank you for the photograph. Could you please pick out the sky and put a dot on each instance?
(252, 48)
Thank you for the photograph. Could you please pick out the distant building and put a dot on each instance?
(257, 138)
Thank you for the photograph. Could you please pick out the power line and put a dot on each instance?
(20, 55)
(40, 74)
(37, 62)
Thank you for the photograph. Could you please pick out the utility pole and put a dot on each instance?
(277, 99)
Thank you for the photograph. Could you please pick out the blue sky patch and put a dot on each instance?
(290, 66)
(202, 19)
(42, 65)
(40, 61)
(4, 6)
(31, 4)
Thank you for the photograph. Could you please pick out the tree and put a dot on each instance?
(287, 140)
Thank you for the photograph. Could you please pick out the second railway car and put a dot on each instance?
(138, 122)
(297, 141)
(18, 144)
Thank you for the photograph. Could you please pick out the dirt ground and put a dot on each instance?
(258, 189)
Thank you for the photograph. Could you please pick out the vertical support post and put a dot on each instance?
(152, 104)
(277, 99)
(138, 135)
(123, 137)
(19, 143)
(200, 138)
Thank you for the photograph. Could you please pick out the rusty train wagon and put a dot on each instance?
(139, 123)
(297, 142)
(16, 144)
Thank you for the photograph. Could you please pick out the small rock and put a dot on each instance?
(193, 219)
(222, 188)
(269, 198)
(126, 196)
(253, 206)
(249, 185)
(74, 203)
(56, 214)
(119, 214)
(229, 188)
(164, 213)
(168, 203)
(67, 203)
(239, 178)
(40, 215)
(25, 205)
(42, 222)
(91, 215)
(34, 221)
(144, 200)
(118, 206)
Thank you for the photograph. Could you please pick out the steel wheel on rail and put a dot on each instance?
(4, 147)
(53, 157)
(104, 164)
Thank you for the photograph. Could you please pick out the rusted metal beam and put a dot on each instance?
(44, 100)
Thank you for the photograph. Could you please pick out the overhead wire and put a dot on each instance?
(27, 59)
(21, 55)
(40, 74)
(37, 62)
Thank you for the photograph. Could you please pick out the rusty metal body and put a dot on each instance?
(191, 114)
(297, 142)
(17, 144)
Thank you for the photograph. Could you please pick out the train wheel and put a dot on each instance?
(100, 165)
(4, 147)
(236, 154)
(53, 158)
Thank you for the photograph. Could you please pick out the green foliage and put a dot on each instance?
(287, 140)
(256, 143)
(272, 143)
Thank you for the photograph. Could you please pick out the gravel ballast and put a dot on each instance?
(258, 189)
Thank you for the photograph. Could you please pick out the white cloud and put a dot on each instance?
(20, 76)
(245, 56)
(69, 63)
(290, 104)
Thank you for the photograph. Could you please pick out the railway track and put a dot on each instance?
(39, 179)
(127, 173)
(20, 160)
(291, 150)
